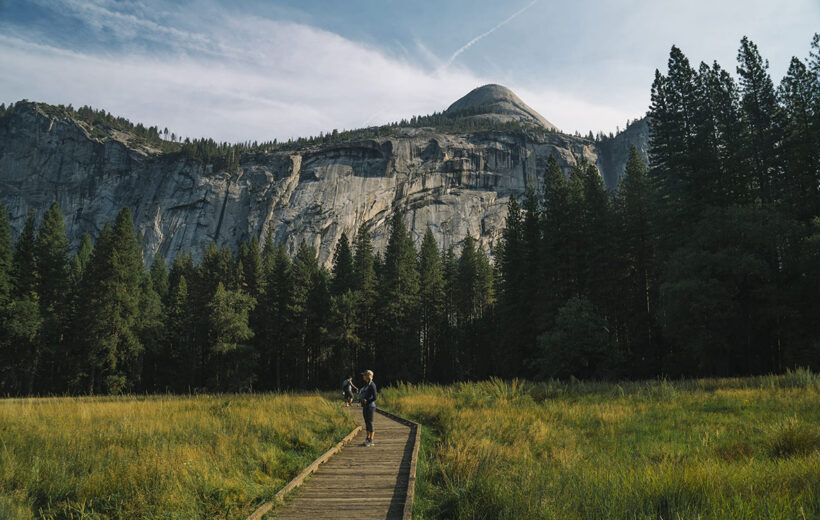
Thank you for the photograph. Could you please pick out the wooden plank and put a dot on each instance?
(297, 481)
(331, 493)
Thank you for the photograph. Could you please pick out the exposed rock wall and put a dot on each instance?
(456, 184)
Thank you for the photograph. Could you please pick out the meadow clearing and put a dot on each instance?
(160, 457)
(711, 448)
(703, 449)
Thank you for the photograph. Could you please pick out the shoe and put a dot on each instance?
(366, 443)
(371, 443)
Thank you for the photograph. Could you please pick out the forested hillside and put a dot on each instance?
(704, 262)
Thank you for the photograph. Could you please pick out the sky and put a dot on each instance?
(240, 70)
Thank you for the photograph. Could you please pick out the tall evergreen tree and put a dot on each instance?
(761, 120)
(399, 305)
(79, 261)
(637, 244)
(252, 267)
(431, 293)
(51, 250)
(24, 266)
(342, 275)
(309, 310)
(159, 277)
(801, 140)
(109, 308)
(510, 259)
(179, 356)
(556, 234)
(229, 335)
(365, 282)
(6, 253)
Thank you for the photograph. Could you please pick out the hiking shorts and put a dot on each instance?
(368, 412)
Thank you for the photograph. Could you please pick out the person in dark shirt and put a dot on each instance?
(347, 389)
(368, 396)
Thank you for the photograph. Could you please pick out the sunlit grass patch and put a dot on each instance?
(713, 448)
(158, 457)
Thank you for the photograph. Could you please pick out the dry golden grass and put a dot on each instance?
(728, 449)
(157, 457)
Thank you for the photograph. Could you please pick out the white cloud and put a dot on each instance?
(259, 79)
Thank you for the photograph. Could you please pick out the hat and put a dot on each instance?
(368, 373)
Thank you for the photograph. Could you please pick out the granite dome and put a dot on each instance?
(499, 103)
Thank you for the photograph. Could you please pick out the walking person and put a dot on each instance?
(368, 396)
(347, 389)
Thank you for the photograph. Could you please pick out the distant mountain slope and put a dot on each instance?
(183, 197)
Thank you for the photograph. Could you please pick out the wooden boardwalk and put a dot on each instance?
(373, 482)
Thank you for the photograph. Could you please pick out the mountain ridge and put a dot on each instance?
(457, 182)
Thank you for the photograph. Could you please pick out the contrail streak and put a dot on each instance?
(484, 35)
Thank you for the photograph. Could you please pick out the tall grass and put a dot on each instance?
(158, 457)
(711, 448)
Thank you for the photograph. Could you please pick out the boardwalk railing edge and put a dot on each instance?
(300, 478)
(411, 482)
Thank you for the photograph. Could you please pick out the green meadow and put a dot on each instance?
(163, 457)
(702, 449)
(698, 449)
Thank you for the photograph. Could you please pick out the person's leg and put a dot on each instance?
(368, 423)
(371, 414)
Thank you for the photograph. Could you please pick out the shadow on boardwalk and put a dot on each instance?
(358, 481)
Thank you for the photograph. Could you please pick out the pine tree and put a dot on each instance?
(109, 309)
(178, 357)
(217, 266)
(733, 182)
(473, 297)
(280, 287)
(598, 246)
(24, 320)
(309, 310)
(79, 261)
(252, 268)
(801, 140)
(6, 283)
(555, 235)
(159, 277)
(431, 293)
(512, 278)
(760, 118)
(637, 300)
(51, 250)
(343, 277)
(151, 333)
(24, 266)
(228, 337)
(364, 273)
(399, 305)
(449, 353)
(5, 260)
(705, 162)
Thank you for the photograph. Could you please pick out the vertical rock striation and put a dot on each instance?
(456, 183)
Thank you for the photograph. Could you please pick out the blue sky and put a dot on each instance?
(257, 70)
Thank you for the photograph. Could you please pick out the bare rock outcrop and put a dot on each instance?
(457, 184)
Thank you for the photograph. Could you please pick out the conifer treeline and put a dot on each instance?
(98, 321)
(705, 263)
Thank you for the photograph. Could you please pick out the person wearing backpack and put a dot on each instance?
(368, 395)
(347, 390)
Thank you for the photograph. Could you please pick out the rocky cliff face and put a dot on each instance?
(457, 184)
